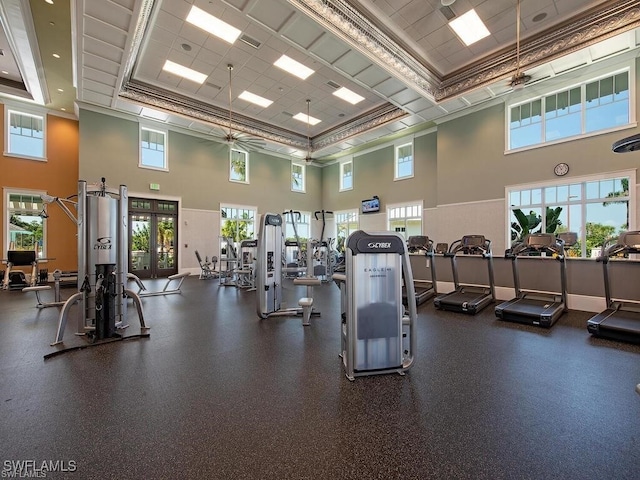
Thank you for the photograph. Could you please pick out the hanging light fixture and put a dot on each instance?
(519, 79)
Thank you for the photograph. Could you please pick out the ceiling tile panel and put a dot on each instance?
(372, 76)
(302, 32)
(167, 21)
(104, 32)
(273, 15)
(103, 50)
(117, 17)
(100, 64)
(389, 87)
(352, 63)
(329, 49)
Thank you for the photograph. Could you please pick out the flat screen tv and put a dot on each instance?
(371, 205)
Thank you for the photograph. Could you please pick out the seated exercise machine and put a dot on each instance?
(246, 273)
(207, 268)
(621, 319)
(324, 256)
(466, 297)
(377, 336)
(294, 259)
(269, 275)
(171, 281)
(57, 276)
(15, 279)
(541, 308)
(421, 253)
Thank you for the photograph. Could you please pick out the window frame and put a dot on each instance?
(165, 155)
(420, 207)
(583, 202)
(30, 112)
(342, 188)
(303, 177)
(253, 220)
(337, 222)
(6, 192)
(396, 159)
(245, 153)
(597, 76)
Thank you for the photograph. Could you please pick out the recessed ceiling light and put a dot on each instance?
(257, 99)
(63, 109)
(212, 25)
(303, 117)
(4, 72)
(60, 90)
(348, 95)
(55, 55)
(539, 17)
(293, 67)
(469, 27)
(50, 2)
(183, 71)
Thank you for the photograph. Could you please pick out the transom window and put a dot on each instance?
(298, 180)
(404, 161)
(346, 175)
(346, 224)
(25, 227)
(591, 107)
(596, 209)
(405, 219)
(153, 149)
(238, 166)
(25, 135)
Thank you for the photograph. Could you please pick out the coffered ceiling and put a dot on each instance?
(400, 55)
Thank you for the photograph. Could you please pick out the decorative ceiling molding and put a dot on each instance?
(373, 119)
(593, 27)
(353, 28)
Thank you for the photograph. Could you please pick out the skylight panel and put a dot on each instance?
(303, 117)
(293, 67)
(184, 72)
(213, 25)
(469, 27)
(255, 99)
(347, 95)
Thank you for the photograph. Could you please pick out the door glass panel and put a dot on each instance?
(165, 241)
(140, 242)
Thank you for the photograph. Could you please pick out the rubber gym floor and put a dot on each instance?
(216, 393)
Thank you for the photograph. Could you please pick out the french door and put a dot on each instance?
(153, 237)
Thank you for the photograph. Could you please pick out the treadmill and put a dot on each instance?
(621, 319)
(536, 307)
(421, 252)
(468, 298)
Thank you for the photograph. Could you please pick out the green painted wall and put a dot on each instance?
(373, 175)
(198, 169)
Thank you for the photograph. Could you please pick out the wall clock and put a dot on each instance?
(561, 169)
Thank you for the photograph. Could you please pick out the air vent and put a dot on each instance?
(448, 13)
(213, 85)
(333, 84)
(287, 114)
(252, 42)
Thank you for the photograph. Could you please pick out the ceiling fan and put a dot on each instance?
(519, 79)
(242, 140)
